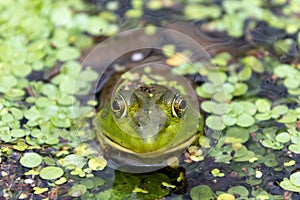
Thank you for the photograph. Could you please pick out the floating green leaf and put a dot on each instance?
(254, 63)
(240, 89)
(61, 122)
(239, 190)
(215, 122)
(228, 120)
(21, 70)
(241, 134)
(43, 102)
(289, 117)
(217, 173)
(245, 120)
(107, 194)
(279, 110)
(77, 190)
(295, 178)
(17, 133)
(283, 137)
(202, 192)
(270, 160)
(283, 71)
(294, 148)
(263, 105)
(67, 53)
(20, 146)
(207, 106)
(97, 26)
(60, 181)
(288, 185)
(51, 173)
(61, 16)
(219, 109)
(263, 116)
(245, 73)
(97, 163)
(31, 160)
(74, 161)
(38, 190)
(52, 140)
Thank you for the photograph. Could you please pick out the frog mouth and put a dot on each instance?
(151, 154)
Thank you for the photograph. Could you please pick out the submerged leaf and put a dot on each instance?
(202, 192)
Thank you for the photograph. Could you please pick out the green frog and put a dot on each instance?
(145, 120)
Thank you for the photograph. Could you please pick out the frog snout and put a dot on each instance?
(142, 118)
(149, 121)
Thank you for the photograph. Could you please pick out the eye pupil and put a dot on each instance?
(182, 104)
(115, 105)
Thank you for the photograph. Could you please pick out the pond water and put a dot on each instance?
(229, 78)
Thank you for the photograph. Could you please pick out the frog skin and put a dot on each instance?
(146, 124)
(143, 121)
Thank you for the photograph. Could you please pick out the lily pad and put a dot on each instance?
(239, 190)
(263, 105)
(67, 53)
(245, 73)
(52, 140)
(38, 190)
(294, 148)
(60, 181)
(77, 190)
(287, 185)
(207, 106)
(240, 89)
(202, 192)
(97, 163)
(226, 196)
(228, 120)
(31, 160)
(215, 122)
(295, 178)
(21, 70)
(283, 137)
(220, 108)
(263, 116)
(289, 117)
(51, 173)
(97, 26)
(245, 120)
(74, 161)
(283, 70)
(18, 133)
(279, 110)
(61, 122)
(241, 134)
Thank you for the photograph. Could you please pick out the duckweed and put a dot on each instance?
(41, 78)
(31, 160)
(292, 183)
(50, 173)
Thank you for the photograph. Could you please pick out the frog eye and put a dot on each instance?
(178, 106)
(118, 106)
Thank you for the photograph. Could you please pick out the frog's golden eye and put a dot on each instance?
(118, 106)
(178, 106)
